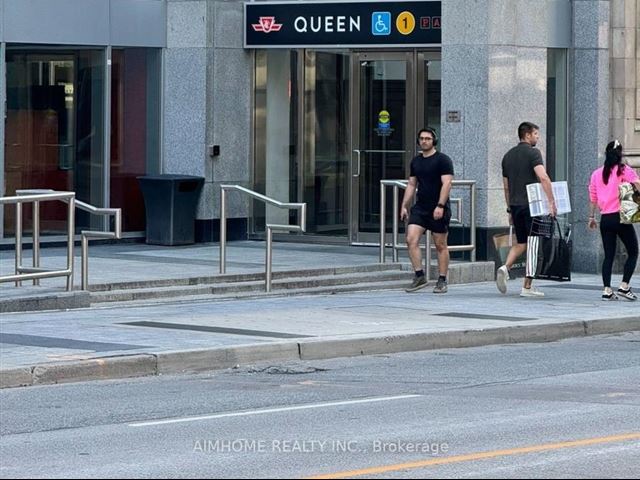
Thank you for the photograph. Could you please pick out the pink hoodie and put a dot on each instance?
(606, 196)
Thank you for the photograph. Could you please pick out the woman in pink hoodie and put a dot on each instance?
(603, 192)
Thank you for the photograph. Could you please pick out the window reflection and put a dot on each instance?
(54, 136)
(55, 130)
(135, 100)
(557, 133)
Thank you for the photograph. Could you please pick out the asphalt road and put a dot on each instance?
(565, 409)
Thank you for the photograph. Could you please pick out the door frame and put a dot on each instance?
(416, 78)
(356, 237)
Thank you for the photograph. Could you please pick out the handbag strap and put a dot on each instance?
(556, 225)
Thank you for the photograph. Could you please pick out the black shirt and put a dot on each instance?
(518, 167)
(428, 171)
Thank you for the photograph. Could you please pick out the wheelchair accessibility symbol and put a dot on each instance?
(381, 23)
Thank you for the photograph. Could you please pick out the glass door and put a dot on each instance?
(383, 131)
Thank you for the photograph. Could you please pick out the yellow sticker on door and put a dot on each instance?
(384, 124)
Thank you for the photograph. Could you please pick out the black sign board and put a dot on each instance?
(342, 24)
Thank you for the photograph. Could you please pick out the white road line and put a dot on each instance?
(270, 410)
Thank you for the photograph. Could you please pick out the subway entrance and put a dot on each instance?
(329, 125)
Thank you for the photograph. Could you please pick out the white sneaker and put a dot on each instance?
(501, 279)
(531, 292)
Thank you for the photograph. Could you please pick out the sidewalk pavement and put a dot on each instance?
(139, 262)
(115, 341)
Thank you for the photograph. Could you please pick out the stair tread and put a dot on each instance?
(347, 280)
(247, 277)
(376, 276)
(325, 289)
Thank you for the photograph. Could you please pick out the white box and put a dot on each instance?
(538, 204)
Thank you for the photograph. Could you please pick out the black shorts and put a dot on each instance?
(424, 218)
(521, 222)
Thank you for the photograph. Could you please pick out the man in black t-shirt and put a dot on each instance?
(521, 166)
(432, 174)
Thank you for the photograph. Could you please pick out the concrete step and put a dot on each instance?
(32, 298)
(245, 277)
(320, 281)
(232, 288)
(399, 285)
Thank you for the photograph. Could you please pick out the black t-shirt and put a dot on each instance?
(428, 171)
(518, 167)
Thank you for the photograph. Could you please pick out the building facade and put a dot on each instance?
(122, 88)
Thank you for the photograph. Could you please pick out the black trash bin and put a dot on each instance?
(170, 204)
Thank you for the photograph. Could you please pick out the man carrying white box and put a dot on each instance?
(523, 165)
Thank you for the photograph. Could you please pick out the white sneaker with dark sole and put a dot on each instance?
(531, 293)
(627, 295)
(502, 276)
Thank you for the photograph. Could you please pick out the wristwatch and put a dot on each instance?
(440, 205)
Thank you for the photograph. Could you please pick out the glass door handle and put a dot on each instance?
(380, 151)
(357, 152)
(360, 152)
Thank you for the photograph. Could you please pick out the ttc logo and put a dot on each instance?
(266, 25)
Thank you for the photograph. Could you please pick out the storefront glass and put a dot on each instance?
(432, 93)
(276, 170)
(54, 129)
(326, 156)
(557, 118)
(135, 117)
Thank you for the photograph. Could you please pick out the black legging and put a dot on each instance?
(611, 229)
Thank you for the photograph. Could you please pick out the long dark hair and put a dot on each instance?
(613, 157)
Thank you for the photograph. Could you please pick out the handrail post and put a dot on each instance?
(36, 238)
(303, 217)
(18, 241)
(473, 222)
(71, 225)
(223, 230)
(84, 267)
(383, 214)
(395, 223)
(268, 271)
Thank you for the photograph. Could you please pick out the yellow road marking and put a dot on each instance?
(481, 456)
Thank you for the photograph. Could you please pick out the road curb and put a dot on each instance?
(228, 357)
(323, 348)
(16, 377)
(139, 365)
(185, 361)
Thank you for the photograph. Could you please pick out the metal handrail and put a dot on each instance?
(35, 273)
(84, 234)
(402, 184)
(301, 227)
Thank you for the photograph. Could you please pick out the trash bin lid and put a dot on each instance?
(170, 177)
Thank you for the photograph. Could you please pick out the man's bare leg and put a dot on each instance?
(442, 249)
(414, 234)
